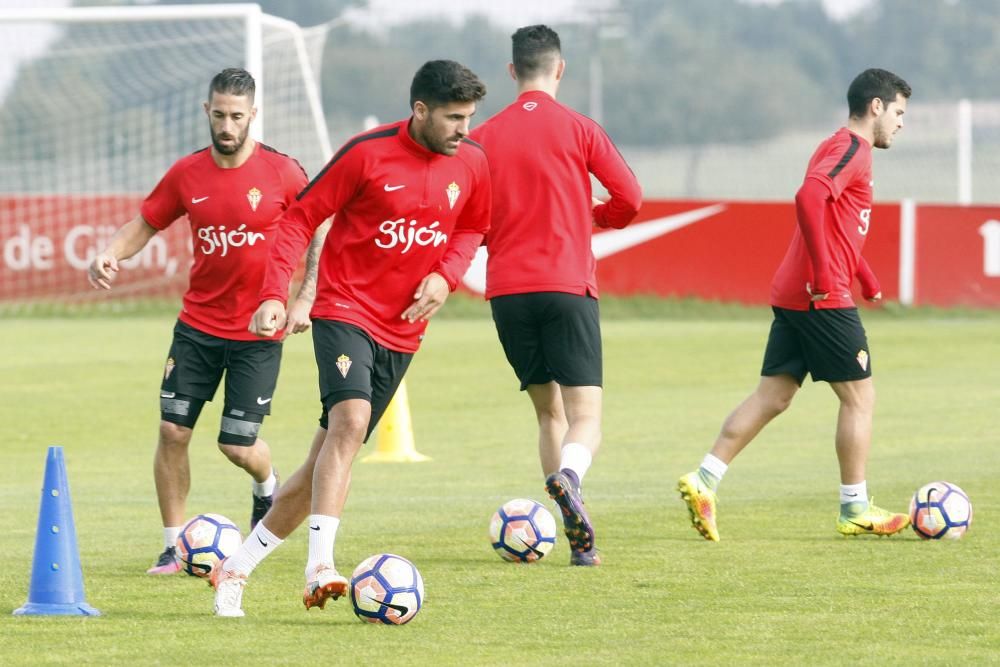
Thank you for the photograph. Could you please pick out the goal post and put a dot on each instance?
(97, 102)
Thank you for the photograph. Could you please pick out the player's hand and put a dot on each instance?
(816, 296)
(876, 297)
(102, 270)
(298, 317)
(269, 319)
(428, 299)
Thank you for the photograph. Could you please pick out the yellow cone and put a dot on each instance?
(394, 433)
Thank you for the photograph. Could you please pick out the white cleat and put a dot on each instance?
(228, 592)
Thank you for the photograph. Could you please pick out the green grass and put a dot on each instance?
(781, 587)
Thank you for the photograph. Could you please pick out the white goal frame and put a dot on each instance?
(254, 21)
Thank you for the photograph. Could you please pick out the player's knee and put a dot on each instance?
(239, 428)
(174, 435)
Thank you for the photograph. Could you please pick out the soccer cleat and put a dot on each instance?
(261, 504)
(576, 523)
(873, 521)
(585, 558)
(324, 584)
(167, 563)
(228, 591)
(701, 502)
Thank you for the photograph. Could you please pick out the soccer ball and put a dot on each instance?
(940, 510)
(388, 589)
(522, 531)
(205, 541)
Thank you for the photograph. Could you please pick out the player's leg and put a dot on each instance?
(570, 336)
(518, 322)
(190, 377)
(357, 378)
(839, 354)
(251, 377)
(548, 403)
(289, 509)
(783, 370)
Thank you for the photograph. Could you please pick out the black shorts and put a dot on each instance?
(828, 343)
(352, 365)
(194, 368)
(551, 336)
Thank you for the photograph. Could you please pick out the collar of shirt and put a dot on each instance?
(411, 145)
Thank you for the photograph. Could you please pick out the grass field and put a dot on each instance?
(781, 586)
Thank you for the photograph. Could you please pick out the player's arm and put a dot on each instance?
(298, 314)
(610, 168)
(470, 229)
(319, 201)
(870, 288)
(127, 241)
(810, 211)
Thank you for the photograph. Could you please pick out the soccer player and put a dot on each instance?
(233, 194)
(412, 203)
(816, 328)
(540, 275)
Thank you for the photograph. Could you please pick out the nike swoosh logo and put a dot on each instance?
(393, 188)
(403, 611)
(852, 495)
(313, 527)
(865, 526)
(607, 243)
(198, 200)
(167, 394)
(262, 542)
(530, 548)
(263, 401)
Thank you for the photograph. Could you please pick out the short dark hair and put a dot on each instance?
(440, 82)
(534, 47)
(874, 83)
(232, 81)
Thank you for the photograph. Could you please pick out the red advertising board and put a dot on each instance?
(957, 256)
(730, 253)
(718, 250)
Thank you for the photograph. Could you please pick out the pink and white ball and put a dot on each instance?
(387, 589)
(940, 510)
(522, 531)
(205, 541)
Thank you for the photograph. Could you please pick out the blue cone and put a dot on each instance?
(56, 577)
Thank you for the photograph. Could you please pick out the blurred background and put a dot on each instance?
(707, 99)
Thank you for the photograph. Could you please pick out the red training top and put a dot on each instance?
(234, 220)
(833, 209)
(402, 212)
(541, 156)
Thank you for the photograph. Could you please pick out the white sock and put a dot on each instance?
(170, 535)
(854, 493)
(714, 466)
(265, 488)
(577, 458)
(258, 546)
(322, 536)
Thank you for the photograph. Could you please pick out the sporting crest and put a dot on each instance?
(343, 364)
(254, 197)
(453, 193)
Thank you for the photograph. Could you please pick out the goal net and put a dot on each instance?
(97, 103)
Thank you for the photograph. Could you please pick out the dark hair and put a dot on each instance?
(874, 83)
(534, 49)
(232, 81)
(440, 82)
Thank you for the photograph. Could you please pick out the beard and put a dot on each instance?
(228, 149)
(430, 138)
(881, 138)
